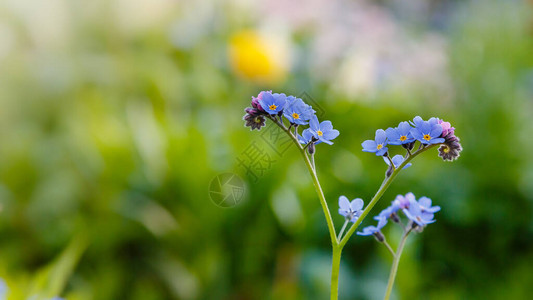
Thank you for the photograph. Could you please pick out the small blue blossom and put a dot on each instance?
(416, 214)
(425, 205)
(378, 145)
(306, 137)
(273, 103)
(387, 213)
(370, 230)
(350, 210)
(297, 112)
(400, 135)
(427, 132)
(403, 202)
(397, 160)
(323, 131)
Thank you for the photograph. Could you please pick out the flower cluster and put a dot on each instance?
(419, 213)
(296, 111)
(432, 131)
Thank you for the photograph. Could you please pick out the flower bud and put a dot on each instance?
(395, 218)
(379, 236)
(311, 148)
(409, 146)
(389, 171)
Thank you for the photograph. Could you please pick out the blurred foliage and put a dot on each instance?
(116, 115)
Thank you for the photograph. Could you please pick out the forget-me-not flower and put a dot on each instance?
(378, 145)
(403, 202)
(400, 135)
(350, 210)
(297, 112)
(389, 213)
(427, 132)
(323, 131)
(416, 214)
(273, 103)
(425, 205)
(370, 230)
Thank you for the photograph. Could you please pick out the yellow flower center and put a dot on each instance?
(380, 146)
(446, 149)
(295, 115)
(403, 138)
(427, 137)
(319, 133)
(272, 107)
(257, 120)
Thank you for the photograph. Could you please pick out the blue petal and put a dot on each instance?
(266, 101)
(344, 203)
(424, 202)
(381, 136)
(307, 134)
(357, 204)
(397, 160)
(415, 132)
(436, 141)
(326, 125)
(393, 136)
(369, 146)
(417, 121)
(323, 140)
(404, 128)
(436, 130)
(382, 151)
(313, 123)
(331, 134)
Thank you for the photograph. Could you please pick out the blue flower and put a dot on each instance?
(417, 214)
(306, 137)
(427, 132)
(402, 201)
(425, 205)
(323, 131)
(378, 145)
(273, 103)
(397, 160)
(350, 210)
(387, 213)
(370, 230)
(400, 135)
(297, 112)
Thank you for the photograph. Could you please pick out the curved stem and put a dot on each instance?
(395, 264)
(386, 182)
(318, 188)
(342, 229)
(389, 247)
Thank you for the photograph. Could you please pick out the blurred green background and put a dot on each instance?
(116, 115)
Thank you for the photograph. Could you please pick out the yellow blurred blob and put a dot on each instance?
(259, 57)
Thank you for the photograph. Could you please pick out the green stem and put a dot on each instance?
(342, 229)
(395, 264)
(389, 247)
(386, 182)
(318, 188)
(335, 266)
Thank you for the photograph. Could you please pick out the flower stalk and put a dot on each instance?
(431, 133)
